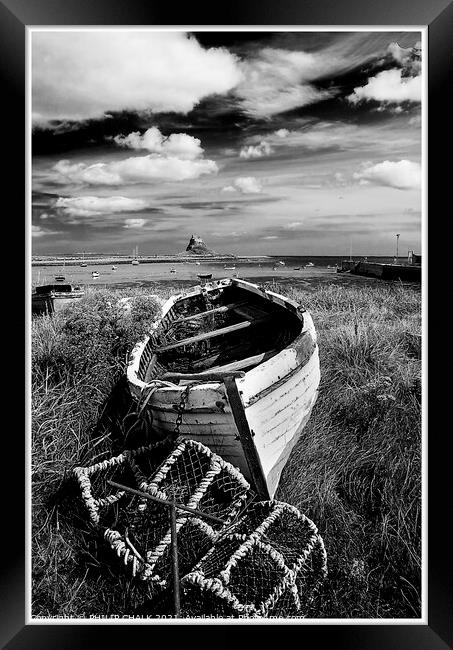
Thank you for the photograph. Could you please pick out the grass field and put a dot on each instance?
(356, 470)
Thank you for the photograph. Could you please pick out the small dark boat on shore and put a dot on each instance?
(205, 276)
(50, 298)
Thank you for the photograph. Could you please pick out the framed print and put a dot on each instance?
(226, 322)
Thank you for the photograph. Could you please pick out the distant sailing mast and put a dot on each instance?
(83, 263)
(135, 256)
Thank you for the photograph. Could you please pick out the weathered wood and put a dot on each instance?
(175, 560)
(286, 395)
(245, 435)
(209, 335)
(203, 314)
(252, 312)
(242, 363)
(203, 376)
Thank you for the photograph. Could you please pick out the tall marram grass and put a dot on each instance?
(356, 470)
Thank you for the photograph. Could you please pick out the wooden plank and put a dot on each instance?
(252, 312)
(203, 376)
(175, 561)
(203, 314)
(243, 363)
(245, 435)
(209, 335)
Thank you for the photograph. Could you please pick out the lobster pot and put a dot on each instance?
(132, 468)
(139, 529)
(269, 564)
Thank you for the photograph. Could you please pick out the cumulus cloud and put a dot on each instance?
(139, 169)
(282, 133)
(292, 225)
(179, 145)
(408, 57)
(245, 185)
(389, 86)
(402, 175)
(258, 151)
(37, 231)
(87, 206)
(134, 223)
(82, 75)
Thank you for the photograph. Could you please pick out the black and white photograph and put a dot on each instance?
(227, 272)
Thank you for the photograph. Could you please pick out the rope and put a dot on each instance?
(219, 586)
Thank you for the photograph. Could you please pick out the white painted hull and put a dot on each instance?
(278, 396)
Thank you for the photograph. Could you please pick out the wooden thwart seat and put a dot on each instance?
(203, 314)
(248, 362)
(211, 334)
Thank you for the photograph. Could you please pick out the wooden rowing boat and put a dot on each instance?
(241, 365)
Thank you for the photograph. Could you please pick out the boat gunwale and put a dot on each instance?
(295, 308)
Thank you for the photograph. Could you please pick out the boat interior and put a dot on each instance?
(226, 329)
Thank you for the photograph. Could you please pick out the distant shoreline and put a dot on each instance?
(151, 259)
(74, 260)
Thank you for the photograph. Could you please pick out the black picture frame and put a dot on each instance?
(15, 16)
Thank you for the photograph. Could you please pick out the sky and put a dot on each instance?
(272, 143)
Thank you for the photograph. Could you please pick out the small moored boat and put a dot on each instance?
(49, 298)
(94, 274)
(238, 367)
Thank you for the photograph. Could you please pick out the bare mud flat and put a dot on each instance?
(186, 274)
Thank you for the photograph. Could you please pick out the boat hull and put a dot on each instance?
(48, 304)
(276, 420)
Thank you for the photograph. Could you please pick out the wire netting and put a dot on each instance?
(138, 529)
(268, 563)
